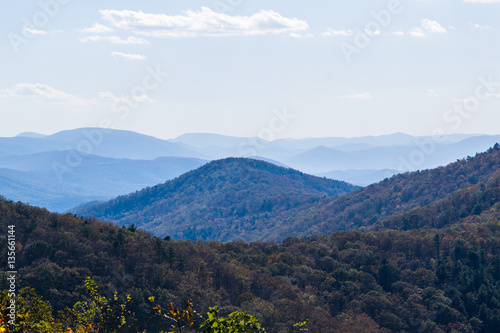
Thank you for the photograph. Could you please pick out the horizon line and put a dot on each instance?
(244, 137)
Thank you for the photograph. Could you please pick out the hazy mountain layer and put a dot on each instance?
(97, 141)
(47, 180)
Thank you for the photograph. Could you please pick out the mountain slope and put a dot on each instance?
(467, 205)
(227, 199)
(398, 195)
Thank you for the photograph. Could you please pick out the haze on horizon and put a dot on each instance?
(260, 137)
(292, 70)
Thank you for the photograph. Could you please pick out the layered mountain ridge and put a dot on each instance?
(76, 166)
(229, 200)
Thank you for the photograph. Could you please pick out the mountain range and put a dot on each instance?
(250, 200)
(73, 167)
(425, 256)
(96, 141)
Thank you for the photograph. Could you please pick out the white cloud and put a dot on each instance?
(432, 93)
(98, 29)
(432, 26)
(428, 26)
(126, 56)
(202, 23)
(115, 40)
(114, 100)
(34, 31)
(357, 96)
(372, 33)
(111, 98)
(417, 32)
(398, 33)
(480, 27)
(296, 35)
(44, 93)
(344, 33)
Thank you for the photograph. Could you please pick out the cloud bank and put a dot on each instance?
(202, 23)
(44, 93)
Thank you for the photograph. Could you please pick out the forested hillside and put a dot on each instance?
(430, 280)
(228, 199)
(454, 190)
(251, 200)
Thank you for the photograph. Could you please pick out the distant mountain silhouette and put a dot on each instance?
(205, 140)
(33, 178)
(71, 165)
(31, 135)
(361, 177)
(321, 160)
(97, 141)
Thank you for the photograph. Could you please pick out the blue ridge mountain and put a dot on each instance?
(45, 180)
(97, 141)
(234, 199)
(227, 199)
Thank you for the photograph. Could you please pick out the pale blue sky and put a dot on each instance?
(232, 64)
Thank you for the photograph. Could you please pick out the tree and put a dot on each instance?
(437, 241)
(182, 318)
(236, 322)
(32, 313)
(388, 274)
(101, 314)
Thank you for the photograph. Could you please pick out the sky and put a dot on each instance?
(273, 68)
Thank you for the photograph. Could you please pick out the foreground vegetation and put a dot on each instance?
(429, 280)
(112, 315)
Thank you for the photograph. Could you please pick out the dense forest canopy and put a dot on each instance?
(433, 267)
(431, 280)
(241, 199)
(229, 199)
